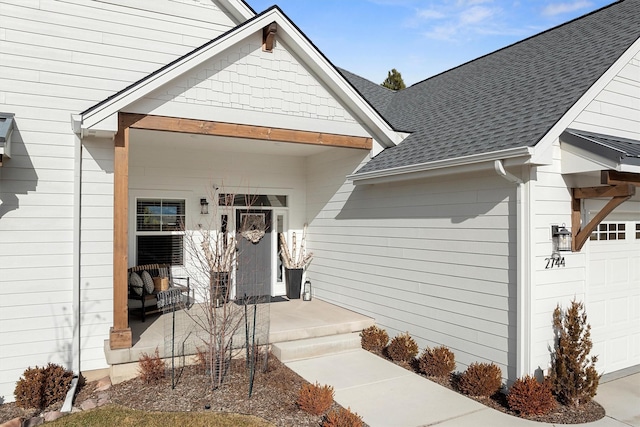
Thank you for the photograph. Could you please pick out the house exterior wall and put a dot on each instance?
(436, 258)
(246, 85)
(616, 110)
(58, 59)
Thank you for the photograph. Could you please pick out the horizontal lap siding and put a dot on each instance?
(435, 258)
(59, 58)
(616, 111)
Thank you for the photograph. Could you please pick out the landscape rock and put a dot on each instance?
(103, 399)
(88, 404)
(52, 416)
(103, 384)
(16, 422)
(33, 422)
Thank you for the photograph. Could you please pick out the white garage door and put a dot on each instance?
(613, 293)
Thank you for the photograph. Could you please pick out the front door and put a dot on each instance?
(254, 237)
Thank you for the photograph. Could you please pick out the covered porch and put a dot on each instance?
(192, 162)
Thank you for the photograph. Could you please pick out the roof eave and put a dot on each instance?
(465, 164)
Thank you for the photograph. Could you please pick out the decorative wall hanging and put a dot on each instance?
(253, 226)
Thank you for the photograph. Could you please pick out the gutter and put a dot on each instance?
(475, 162)
(523, 281)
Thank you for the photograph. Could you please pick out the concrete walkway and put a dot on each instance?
(386, 395)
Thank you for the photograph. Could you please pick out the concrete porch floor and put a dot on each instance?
(289, 320)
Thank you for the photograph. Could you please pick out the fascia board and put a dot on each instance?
(146, 86)
(324, 70)
(441, 167)
(568, 118)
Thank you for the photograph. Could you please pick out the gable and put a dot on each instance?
(245, 85)
(102, 119)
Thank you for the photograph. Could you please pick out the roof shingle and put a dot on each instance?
(507, 99)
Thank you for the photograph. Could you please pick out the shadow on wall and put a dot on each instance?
(456, 240)
(17, 175)
(73, 323)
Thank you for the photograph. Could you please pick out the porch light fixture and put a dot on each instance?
(204, 206)
(306, 293)
(561, 238)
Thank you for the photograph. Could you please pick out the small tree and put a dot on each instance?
(573, 373)
(394, 80)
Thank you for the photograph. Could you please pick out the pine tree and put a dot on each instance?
(573, 373)
(394, 80)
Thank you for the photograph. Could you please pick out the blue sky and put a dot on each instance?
(421, 38)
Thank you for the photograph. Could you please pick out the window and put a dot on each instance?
(638, 230)
(609, 231)
(252, 200)
(159, 231)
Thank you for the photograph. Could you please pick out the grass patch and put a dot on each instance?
(112, 415)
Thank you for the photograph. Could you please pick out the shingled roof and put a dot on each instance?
(508, 99)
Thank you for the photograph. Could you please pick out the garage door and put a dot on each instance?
(613, 293)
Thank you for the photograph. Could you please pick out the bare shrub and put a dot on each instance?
(529, 397)
(437, 361)
(374, 339)
(315, 399)
(481, 379)
(342, 418)
(151, 368)
(403, 348)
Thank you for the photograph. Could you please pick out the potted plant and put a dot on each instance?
(294, 262)
(220, 253)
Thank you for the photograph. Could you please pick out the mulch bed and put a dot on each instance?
(586, 413)
(273, 398)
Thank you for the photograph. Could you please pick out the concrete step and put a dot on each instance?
(315, 347)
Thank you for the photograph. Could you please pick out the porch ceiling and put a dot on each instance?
(169, 140)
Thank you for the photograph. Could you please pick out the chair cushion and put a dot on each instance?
(148, 281)
(136, 283)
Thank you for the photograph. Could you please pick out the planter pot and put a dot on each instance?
(294, 282)
(219, 288)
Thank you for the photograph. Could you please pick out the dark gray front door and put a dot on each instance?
(253, 275)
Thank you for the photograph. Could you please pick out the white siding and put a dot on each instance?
(60, 58)
(243, 84)
(432, 257)
(616, 110)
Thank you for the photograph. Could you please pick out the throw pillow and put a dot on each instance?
(136, 283)
(148, 282)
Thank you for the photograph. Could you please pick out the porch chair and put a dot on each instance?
(148, 299)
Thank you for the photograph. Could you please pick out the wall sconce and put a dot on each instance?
(204, 206)
(561, 238)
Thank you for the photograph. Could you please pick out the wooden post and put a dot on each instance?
(120, 333)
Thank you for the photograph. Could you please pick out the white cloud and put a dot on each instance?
(475, 15)
(560, 8)
(429, 14)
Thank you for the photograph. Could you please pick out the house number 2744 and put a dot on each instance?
(554, 262)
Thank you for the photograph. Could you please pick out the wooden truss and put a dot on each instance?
(620, 186)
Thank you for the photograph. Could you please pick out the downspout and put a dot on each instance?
(523, 282)
(76, 325)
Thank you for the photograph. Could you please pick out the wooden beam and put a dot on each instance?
(608, 191)
(203, 127)
(120, 333)
(269, 37)
(610, 177)
(619, 193)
